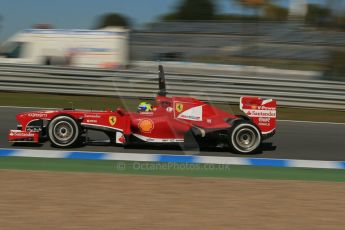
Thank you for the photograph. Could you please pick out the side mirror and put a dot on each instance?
(121, 111)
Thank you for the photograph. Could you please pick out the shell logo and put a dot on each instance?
(146, 125)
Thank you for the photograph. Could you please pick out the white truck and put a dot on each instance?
(105, 48)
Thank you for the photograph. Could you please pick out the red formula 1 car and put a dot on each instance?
(184, 120)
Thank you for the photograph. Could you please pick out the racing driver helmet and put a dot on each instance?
(144, 107)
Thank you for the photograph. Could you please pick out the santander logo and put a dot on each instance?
(193, 114)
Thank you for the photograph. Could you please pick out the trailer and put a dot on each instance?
(104, 48)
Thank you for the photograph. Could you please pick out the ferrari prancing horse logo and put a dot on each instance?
(112, 120)
(179, 107)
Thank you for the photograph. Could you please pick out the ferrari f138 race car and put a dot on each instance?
(184, 120)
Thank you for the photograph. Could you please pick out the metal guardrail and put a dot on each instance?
(134, 84)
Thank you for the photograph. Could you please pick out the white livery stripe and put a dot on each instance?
(193, 114)
(157, 140)
(102, 126)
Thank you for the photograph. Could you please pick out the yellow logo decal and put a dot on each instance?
(179, 107)
(112, 120)
(146, 125)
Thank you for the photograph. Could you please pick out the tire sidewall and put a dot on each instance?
(75, 127)
(237, 127)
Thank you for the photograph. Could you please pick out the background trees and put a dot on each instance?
(112, 19)
(198, 10)
(189, 10)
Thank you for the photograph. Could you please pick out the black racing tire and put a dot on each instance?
(63, 132)
(244, 137)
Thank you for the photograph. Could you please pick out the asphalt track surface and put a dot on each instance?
(293, 140)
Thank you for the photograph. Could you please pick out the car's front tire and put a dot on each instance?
(63, 132)
(244, 137)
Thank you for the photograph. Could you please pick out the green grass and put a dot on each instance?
(171, 169)
(93, 102)
(64, 101)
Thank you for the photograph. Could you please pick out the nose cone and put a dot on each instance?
(19, 116)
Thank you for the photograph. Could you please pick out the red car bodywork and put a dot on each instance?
(169, 121)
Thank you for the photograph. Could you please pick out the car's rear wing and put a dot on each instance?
(261, 111)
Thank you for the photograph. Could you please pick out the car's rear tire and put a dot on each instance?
(63, 132)
(244, 137)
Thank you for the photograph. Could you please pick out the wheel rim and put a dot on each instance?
(246, 139)
(63, 131)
